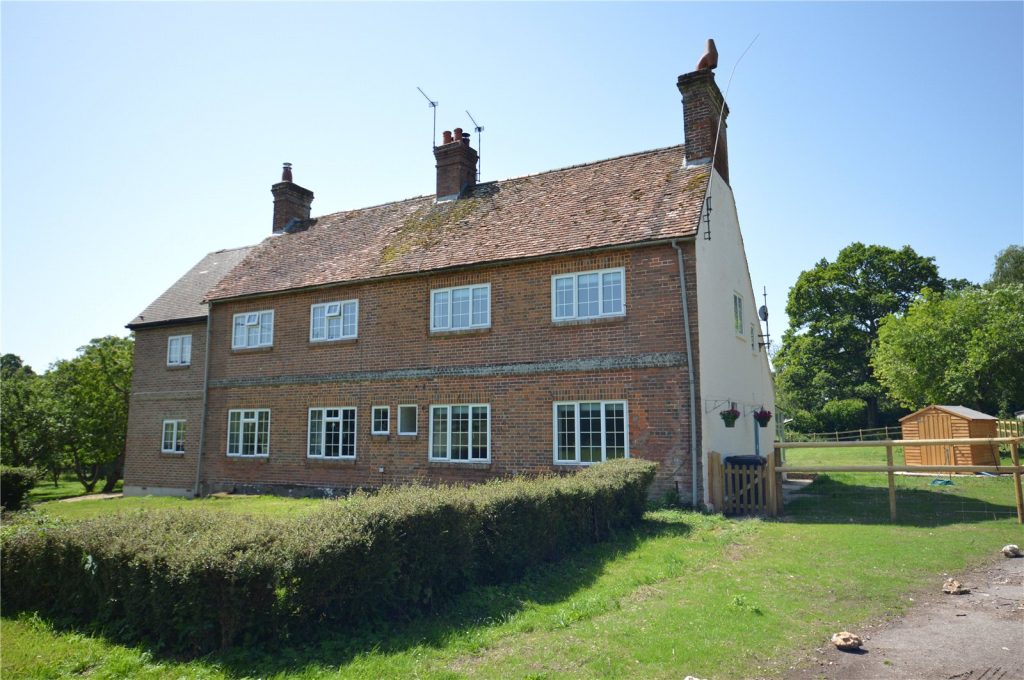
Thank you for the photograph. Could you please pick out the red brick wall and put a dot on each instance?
(161, 392)
(394, 334)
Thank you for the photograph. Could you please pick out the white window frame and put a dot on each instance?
(445, 324)
(737, 313)
(242, 420)
(373, 419)
(604, 434)
(469, 433)
(178, 430)
(415, 420)
(323, 432)
(252, 319)
(183, 355)
(341, 305)
(753, 338)
(575, 276)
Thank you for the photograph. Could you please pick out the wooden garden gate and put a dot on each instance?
(745, 489)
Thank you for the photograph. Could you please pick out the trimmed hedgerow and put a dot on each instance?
(15, 483)
(199, 580)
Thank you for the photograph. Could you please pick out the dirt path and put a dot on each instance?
(978, 636)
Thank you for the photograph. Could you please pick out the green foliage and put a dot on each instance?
(834, 311)
(1009, 267)
(15, 483)
(965, 348)
(193, 581)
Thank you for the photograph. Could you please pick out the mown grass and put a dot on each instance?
(687, 593)
(67, 486)
(267, 505)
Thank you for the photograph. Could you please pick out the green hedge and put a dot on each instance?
(199, 580)
(15, 483)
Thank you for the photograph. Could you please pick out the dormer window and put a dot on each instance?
(253, 329)
(334, 321)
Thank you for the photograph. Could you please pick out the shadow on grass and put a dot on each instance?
(829, 500)
(479, 606)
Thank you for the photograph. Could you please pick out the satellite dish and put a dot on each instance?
(763, 313)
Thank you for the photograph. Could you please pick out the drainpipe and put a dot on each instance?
(206, 381)
(689, 374)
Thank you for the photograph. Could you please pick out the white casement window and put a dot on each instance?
(407, 419)
(332, 432)
(453, 309)
(179, 350)
(588, 295)
(753, 337)
(253, 329)
(737, 313)
(249, 432)
(380, 420)
(590, 431)
(173, 440)
(460, 433)
(334, 320)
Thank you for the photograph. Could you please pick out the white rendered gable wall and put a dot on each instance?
(729, 370)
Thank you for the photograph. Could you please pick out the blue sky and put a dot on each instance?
(137, 137)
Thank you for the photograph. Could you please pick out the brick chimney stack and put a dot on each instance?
(290, 200)
(456, 165)
(702, 104)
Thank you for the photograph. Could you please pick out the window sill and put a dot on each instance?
(471, 464)
(380, 434)
(251, 350)
(178, 367)
(460, 332)
(618, 318)
(251, 456)
(173, 454)
(408, 434)
(332, 460)
(332, 343)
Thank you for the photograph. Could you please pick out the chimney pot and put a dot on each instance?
(286, 173)
(458, 134)
(447, 134)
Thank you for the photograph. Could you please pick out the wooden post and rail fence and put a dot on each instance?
(757, 490)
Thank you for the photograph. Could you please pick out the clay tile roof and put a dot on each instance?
(184, 299)
(646, 196)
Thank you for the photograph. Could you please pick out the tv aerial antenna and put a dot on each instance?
(762, 314)
(479, 145)
(433, 105)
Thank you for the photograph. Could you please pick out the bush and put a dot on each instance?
(15, 483)
(200, 580)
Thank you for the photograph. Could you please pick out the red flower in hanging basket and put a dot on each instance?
(729, 416)
(762, 416)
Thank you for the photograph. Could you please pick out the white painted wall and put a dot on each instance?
(729, 370)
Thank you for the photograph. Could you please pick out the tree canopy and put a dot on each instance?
(1009, 267)
(961, 348)
(824, 376)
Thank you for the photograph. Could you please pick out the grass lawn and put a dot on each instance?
(687, 594)
(267, 505)
(68, 486)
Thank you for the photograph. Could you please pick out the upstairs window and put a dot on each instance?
(179, 350)
(249, 432)
(588, 295)
(173, 440)
(407, 419)
(460, 433)
(332, 432)
(453, 309)
(253, 329)
(334, 320)
(590, 431)
(737, 313)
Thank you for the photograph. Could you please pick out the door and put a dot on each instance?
(936, 425)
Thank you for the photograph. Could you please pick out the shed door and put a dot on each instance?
(936, 425)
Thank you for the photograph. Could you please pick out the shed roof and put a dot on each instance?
(641, 197)
(962, 411)
(184, 299)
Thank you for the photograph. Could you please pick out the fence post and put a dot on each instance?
(1015, 457)
(772, 489)
(892, 483)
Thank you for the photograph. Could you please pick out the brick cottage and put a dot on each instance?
(531, 325)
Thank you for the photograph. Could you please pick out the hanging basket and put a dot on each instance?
(729, 417)
(762, 417)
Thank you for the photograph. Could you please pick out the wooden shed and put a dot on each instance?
(949, 422)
